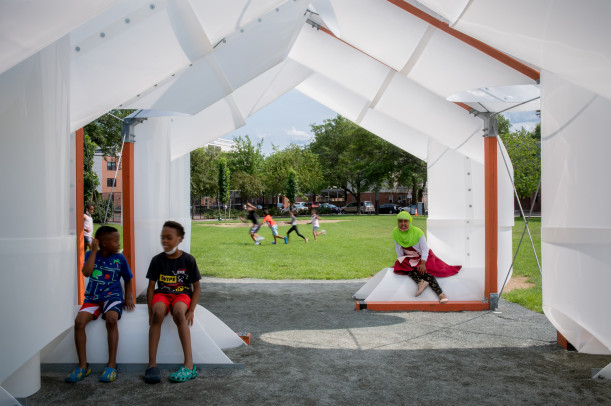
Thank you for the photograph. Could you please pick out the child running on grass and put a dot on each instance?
(177, 277)
(105, 267)
(274, 227)
(294, 226)
(252, 216)
(315, 225)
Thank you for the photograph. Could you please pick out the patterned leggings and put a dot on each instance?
(417, 277)
(294, 228)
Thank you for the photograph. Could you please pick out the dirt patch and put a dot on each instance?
(280, 223)
(518, 282)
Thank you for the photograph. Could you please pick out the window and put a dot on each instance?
(389, 198)
(111, 166)
(110, 182)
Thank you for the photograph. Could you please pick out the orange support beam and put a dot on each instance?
(80, 210)
(491, 220)
(451, 306)
(127, 169)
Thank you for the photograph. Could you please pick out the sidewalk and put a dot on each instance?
(310, 347)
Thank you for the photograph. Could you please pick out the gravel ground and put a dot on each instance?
(310, 346)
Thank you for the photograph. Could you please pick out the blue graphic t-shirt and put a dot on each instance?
(105, 281)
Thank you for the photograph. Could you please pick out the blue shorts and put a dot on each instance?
(315, 228)
(255, 228)
(88, 240)
(274, 229)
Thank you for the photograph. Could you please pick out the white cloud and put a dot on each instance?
(296, 134)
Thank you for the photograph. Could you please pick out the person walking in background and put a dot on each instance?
(294, 226)
(315, 225)
(88, 225)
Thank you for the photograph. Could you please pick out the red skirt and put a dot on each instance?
(434, 266)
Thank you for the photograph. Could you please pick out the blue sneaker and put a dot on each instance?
(286, 240)
(78, 374)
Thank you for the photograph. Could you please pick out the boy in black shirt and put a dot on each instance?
(177, 277)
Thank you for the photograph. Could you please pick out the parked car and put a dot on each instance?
(366, 207)
(330, 207)
(389, 208)
(299, 207)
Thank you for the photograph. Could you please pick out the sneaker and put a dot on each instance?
(260, 238)
(323, 232)
(306, 240)
(274, 242)
(78, 374)
(257, 243)
(286, 240)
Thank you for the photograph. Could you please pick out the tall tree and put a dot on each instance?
(357, 160)
(204, 172)
(245, 163)
(223, 181)
(524, 151)
(292, 189)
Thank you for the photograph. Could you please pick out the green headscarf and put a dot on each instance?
(407, 238)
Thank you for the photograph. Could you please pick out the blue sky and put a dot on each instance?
(288, 119)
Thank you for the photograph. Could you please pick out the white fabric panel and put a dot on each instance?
(262, 44)
(189, 133)
(199, 86)
(334, 96)
(251, 98)
(339, 62)
(35, 235)
(448, 9)
(379, 29)
(180, 190)
(417, 107)
(567, 37)
(220, 18)
(129, 59)
(325, 9)
(27, 26)
(133, 348)
(576, 249)
(501, 98)
(448, 65)
(151, 192)
(396, 133)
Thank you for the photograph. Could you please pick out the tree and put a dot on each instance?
(223, 180)
(291, 187)
(204, 173)
(245, 164)
(525, 155)
(357, 160)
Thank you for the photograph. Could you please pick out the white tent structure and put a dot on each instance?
(198, 68)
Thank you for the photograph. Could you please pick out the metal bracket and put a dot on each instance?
(494, 301)
(127, 133)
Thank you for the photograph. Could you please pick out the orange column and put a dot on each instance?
(491, 216)
(127, 170)
(80, 210)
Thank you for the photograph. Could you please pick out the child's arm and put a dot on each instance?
(89, 265)
(194, 300)
(129, 301)
(242, 220)
(149, 298)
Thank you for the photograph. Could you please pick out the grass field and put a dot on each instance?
(354, 247)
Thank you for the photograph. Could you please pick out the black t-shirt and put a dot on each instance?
(173, 276)
(252, 216)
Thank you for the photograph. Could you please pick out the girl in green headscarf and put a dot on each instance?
(416, 260)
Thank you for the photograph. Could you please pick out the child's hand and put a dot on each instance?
(189, 316)
(129, 305)
(95, 245)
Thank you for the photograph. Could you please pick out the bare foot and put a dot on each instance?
(421, 286)
(443, 298)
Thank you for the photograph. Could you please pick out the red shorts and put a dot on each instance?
(169, 299)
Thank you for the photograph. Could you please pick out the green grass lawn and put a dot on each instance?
(526, 265)
(354, 247)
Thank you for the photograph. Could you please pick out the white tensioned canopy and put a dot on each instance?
(199, 69)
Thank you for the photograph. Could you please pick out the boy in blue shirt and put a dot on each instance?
(105, 267)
